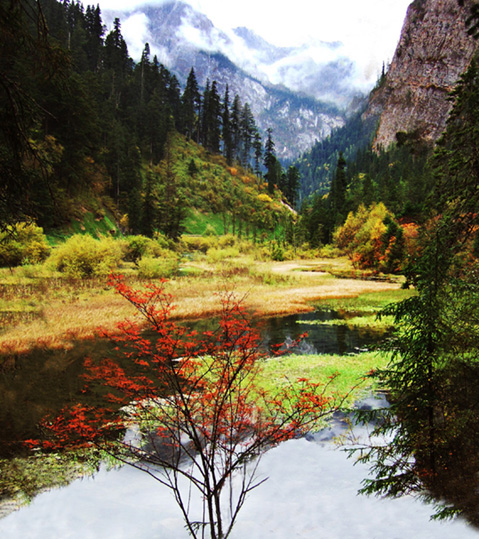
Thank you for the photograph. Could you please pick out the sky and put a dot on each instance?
(368, 29)
(291, 23)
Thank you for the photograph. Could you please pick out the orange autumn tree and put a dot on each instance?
(373, 239)
(188, 409)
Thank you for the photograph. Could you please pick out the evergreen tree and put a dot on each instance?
(247, 130)
(204, 114)
(270, 161)
(190, 107)
(436, 345)
(95, 32)
(144, 69)
(227, 135)
(258, 153)
(337, 193)
(236, 126)
(149, 210)
(172, 207)
(212, 112)
(116, 61)
(29, 64)
(292, 184)
(174, 100)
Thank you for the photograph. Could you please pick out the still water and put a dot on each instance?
(310, 493)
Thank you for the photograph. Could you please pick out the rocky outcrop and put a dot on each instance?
(434, 50)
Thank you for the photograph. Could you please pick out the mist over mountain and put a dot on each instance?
(319, 69)
(301, 92)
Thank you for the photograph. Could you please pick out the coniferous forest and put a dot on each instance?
(84, 125)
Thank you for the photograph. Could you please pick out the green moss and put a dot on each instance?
(371, 302)
(351, 371)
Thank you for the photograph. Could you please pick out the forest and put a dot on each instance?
(85, 126)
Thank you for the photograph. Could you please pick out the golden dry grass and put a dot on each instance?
(69, 312)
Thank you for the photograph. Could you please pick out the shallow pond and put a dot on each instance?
(322, 338)
(311, 492)
(34, 384)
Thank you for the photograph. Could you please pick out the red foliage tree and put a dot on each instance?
(187, 408)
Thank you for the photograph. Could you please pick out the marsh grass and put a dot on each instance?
(369, 321)
(45, 308)
(371, 302)
(351, 370)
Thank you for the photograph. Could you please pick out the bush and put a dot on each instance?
(198, 243)
(228, 240)
(140, 246)
(329, 251)
(217, 255)
(277, 254)
(210, 231)
(157, 268)
(23, 243)
(83, 256)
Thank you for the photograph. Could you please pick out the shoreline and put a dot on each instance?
(275, 289)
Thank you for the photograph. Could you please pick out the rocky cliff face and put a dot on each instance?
(433, 51)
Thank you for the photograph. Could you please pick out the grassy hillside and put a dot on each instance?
(193, 186)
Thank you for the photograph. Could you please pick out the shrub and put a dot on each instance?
(83, 256)
(23, 243)
(139, 246)
(210, 231)
(157, 268)
(198, 243)
(228, 240)
(217, 255)
(277, 253)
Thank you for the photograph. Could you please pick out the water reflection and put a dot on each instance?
(447, 462)
(322, 338)
(44, 381)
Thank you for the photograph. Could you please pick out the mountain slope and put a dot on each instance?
(184, 38)
(433, 52)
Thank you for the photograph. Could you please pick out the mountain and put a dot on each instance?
(183, 38)
(434, 50)
(411, 99)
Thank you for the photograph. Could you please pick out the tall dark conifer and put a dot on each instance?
(247, 130)
(270, 161)
(236, 126)
(190, 107)
(258, 153)
(226, 122)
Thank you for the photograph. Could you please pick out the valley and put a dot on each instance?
(162, 168)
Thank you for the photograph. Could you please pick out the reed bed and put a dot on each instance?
(53, 312)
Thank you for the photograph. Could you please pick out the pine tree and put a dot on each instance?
(227, 135)
(270, 161)
(258, 153)
(435, 349)
(190, 107)
(292, 184)
(236, 126)
(248, 128)
(212, 113)
(95, 32)
(149, 209)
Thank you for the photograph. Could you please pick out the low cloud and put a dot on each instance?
(328, 71)
(136, 33)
